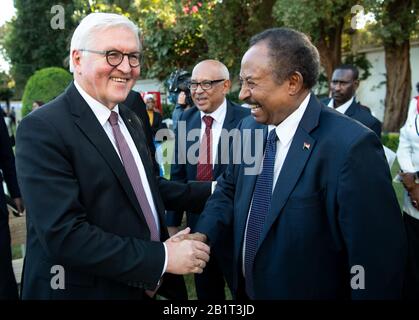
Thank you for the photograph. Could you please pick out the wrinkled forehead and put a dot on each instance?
(109, 36)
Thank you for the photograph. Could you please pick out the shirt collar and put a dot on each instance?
(343, 107)
(101, 112)
(286, 129)
(219, 114)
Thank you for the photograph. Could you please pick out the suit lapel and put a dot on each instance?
(136, 130)
(223, 148)
(194, 123)
(85, 119)
(300, 150)
(352, 109)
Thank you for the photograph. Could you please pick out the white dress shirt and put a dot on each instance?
(342, 108)
(408, 151)
(217, 125)
(285, 132)
(102, 114)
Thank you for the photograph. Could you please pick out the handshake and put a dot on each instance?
(186, 252)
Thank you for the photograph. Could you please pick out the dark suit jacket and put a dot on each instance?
(82, 212)
(362, 114)
(7, 163)
(186, 171)
(333, 207)
(135, 103)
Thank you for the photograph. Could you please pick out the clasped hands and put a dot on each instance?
(408, 180)
(187, 253)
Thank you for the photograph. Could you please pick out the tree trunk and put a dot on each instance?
(329, 46)
(398, 84)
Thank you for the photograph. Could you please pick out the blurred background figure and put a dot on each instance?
(155, 118)
(179, 94)
(37, 104)
(408, 157)
(8, 286)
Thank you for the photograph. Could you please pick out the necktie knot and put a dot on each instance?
(113, 118)
(208, 121)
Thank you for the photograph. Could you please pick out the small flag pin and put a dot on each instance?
(306, 146)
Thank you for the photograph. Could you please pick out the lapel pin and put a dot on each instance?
(306, 146)
(129, 119)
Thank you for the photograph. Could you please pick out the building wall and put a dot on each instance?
(372, 91)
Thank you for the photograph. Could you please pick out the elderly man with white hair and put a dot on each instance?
(95, 209)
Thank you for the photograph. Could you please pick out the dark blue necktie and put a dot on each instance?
(260, 207)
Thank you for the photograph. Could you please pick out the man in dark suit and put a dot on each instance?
(210, 82)
(343, 87)
(94, 209)
(315, 216)
(8, 286)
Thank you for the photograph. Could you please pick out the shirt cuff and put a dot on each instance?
(213, 185)
(165, 260)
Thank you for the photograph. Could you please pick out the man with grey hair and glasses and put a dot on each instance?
(100, 232)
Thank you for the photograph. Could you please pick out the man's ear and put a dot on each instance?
(356, 84)
(227, 86)
(76, 58)
(295, 84)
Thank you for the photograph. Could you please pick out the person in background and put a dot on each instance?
(8, 286)
(37, 104)
(155, 118)
(345, 82)
(408, 158)
(212, 116)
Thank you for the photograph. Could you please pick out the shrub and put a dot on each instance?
(390, 140)
(44, 85)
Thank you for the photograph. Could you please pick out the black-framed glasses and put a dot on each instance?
(205, 85)
(115, 57)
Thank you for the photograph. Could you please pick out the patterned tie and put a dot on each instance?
(260, 207)
(134, 176)
(204, 169)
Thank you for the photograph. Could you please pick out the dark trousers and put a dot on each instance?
(8, 286)
(411, 283)
(210, 284)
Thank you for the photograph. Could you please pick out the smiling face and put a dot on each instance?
(271, 102)
(210, 99)
(108, 85)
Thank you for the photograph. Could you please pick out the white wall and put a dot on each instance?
(372, 91)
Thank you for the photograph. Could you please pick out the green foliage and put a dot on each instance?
(167, 110)
(44, 85)
(397, 20)
(31, 43)
(363, 64)
(390, 140)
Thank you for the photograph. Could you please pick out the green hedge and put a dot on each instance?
(44, 85)
(390, 140)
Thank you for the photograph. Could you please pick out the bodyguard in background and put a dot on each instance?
(345, 81)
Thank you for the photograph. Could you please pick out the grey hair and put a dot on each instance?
(85, 31)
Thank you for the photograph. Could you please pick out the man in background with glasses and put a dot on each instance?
(207, 124)
(95, 213)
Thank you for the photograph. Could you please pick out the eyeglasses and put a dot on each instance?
(205, 85)
(115, 57)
